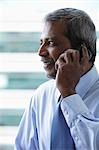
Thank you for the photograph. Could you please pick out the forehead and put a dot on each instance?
(53, 29)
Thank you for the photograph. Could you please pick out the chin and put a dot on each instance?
(51, 72)
(51, 75)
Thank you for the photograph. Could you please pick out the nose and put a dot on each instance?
(42, 51)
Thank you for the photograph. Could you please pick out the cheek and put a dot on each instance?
(55, 53)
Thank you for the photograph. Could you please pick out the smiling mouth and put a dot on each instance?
(47, 62)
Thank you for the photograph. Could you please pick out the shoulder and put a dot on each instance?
(45, 93)
(44, 90)
(92, 99)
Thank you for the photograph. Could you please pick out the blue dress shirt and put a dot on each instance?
(80, 110)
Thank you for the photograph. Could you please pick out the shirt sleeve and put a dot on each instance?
(27, 137)
(83, 125)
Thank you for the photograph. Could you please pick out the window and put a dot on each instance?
(21, 71)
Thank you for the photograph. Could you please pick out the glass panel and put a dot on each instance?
(21, 71)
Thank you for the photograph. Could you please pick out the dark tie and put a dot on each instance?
(60, 134)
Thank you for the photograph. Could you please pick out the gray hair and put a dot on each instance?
(80, 29)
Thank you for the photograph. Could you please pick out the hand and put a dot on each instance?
(69, 70)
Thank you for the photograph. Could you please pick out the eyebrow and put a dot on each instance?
(48, 38)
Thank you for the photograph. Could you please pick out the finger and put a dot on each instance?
(68, 56)
(73, 56)
(59, 62)
(76, 56)
(56, 65)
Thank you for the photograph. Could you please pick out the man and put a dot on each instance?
(68, 50)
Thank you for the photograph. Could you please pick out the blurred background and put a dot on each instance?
(21, 71)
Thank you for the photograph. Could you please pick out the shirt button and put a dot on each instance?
(76, 138)
(66, 112)
(76, 120)
(72, 124)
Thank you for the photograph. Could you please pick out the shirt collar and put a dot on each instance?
(87, 81)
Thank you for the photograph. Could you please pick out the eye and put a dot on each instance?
(51, 43)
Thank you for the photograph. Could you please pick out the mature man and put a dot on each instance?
(64, 112)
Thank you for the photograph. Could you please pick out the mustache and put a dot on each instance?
(45, 60)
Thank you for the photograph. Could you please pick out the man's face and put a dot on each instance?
(53, 43)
